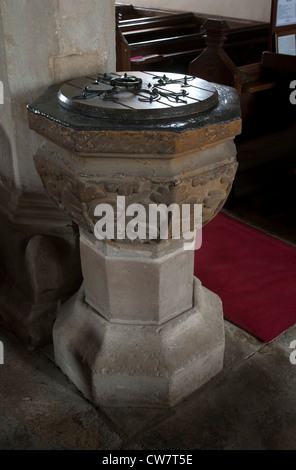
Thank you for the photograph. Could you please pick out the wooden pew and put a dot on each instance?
(269, 118)
(155, 39)
(168, 40)
(215, 65)
(265, 92)
(185, 19)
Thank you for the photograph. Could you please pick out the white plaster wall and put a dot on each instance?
(44, 42)
(257, 10)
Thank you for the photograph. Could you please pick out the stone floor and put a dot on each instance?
(250, 405)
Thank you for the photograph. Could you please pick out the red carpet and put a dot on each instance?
(253, 273)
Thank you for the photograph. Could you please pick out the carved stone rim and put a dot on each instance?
(47, 106)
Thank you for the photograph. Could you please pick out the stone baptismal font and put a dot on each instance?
(142, 330)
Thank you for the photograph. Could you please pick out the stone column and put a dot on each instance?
(142, 330)
(41, 43)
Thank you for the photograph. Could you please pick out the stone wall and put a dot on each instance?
(43, 42)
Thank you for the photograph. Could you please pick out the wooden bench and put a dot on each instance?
(258, 83)
(269, 118)
(168, 40)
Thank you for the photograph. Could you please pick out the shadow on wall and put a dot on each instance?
(39, 257)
